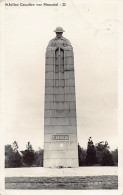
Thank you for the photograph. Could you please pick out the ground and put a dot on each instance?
(65, 178)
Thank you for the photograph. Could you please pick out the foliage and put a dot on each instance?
(103, 154)
(29, 146)
(100, 147)
(115, 156)
(107, 159)
(15, 146)
(28, 155)
(81, 155)
(39, 158)
(91, 158)
(9, 156)
(94, 155)
(12, 156)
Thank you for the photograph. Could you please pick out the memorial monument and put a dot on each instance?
(60, 127)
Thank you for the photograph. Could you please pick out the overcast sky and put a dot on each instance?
(93, 32)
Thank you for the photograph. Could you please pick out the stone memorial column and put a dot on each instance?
(60, 127)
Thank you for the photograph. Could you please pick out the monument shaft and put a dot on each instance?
(60, 127)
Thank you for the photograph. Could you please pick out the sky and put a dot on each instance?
(93, 32)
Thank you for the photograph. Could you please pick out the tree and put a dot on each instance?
(81, 155)
(103, 154)
(107, 159)
(12, 157)
(29, 146)
(28, 155)
(15, 146)
(115, 156)
(39, 158)
(9, 156)
(100, 147)
(91, 158)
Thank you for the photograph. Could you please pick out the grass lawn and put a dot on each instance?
(59, 183)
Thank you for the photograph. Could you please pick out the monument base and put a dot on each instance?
(61, 163)
(60, 153)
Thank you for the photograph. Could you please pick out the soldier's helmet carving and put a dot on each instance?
(59, 29)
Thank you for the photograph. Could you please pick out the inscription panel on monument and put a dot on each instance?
(60, 137)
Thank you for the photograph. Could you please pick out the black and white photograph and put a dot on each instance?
(60, 97)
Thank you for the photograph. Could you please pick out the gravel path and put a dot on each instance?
(51, 172)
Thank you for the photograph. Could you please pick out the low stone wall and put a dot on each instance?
(68, 183)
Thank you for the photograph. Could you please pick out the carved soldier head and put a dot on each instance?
(59, 31)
